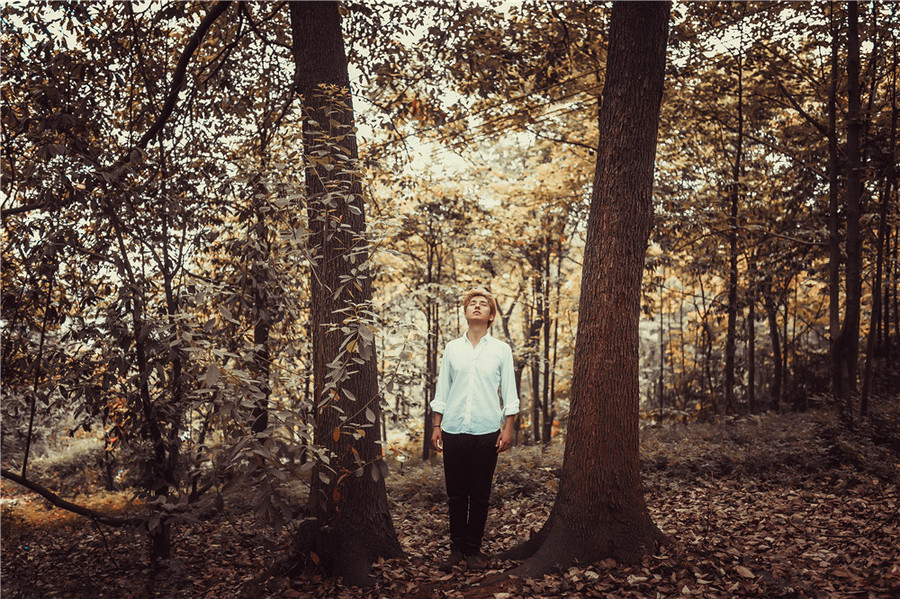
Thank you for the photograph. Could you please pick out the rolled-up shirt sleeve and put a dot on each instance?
(442, 389)
(508, 384)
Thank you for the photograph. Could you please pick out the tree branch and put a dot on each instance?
(69, 506)
(180, 71)
(178, 79)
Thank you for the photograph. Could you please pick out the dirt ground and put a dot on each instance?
(782, 505)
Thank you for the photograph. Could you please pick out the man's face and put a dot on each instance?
(479, 310)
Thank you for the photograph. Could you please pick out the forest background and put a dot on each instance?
(164, 279)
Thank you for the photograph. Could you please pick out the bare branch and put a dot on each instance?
(69, 506)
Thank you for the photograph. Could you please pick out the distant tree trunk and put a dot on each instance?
(518, 359)
(848, 344)
(556, 332)
(350, 524)
(262, 310)
(751, 334)
(432, 326)
(707, 388)
(777, 363)
(890, 316)
(545, 357)
(834, 223)
(875, 324)
(534, 339)
(600, 509)
(660, 384)
(734, 200)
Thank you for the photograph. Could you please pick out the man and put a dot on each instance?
(467, 424)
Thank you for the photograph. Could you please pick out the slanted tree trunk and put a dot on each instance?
(349, 523)
(600, 509)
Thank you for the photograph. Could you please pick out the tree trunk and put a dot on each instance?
(751, 334)
(777, 364)
(834, 235)
(349, 524)
(534, 342)
(734, 198)
(875, 324)
(848, 345)
(545, 358)
(660, 383)
(600, 509)
(262, 310)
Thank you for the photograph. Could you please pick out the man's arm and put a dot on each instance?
(504, 440)
(439, 403)
(437, 438)
(510, 401)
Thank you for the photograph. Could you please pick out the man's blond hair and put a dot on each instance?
(481, 292)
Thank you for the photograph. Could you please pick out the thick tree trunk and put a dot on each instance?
(600, 509)
(349, 523)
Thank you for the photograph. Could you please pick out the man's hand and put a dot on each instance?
(437, 439)
(504, 440)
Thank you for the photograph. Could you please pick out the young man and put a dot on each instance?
(467, 424)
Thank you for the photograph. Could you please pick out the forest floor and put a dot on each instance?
(782, 505)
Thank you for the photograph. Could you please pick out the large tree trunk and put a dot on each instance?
(349, 523)
(600, 509)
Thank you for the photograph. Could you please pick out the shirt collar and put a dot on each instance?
(486, 336)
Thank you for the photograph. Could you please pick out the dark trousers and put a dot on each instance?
(469, 462)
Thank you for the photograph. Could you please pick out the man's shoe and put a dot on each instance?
(475, 562)
(456, 556)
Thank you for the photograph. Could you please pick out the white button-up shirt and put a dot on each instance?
(467, 386)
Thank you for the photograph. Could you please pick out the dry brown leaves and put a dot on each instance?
(778, 506)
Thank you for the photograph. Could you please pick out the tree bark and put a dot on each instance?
(875, 324)
(600, 509)
(734, 198)
(751, 334)
(349, 524)
(848, 345)
(777, 364)
(834, 235)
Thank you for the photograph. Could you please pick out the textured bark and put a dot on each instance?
(349, 523)
(600, 509)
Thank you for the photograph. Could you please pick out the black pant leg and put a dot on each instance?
(456, 466)
(484, 462)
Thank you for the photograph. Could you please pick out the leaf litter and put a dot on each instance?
(779, 505)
